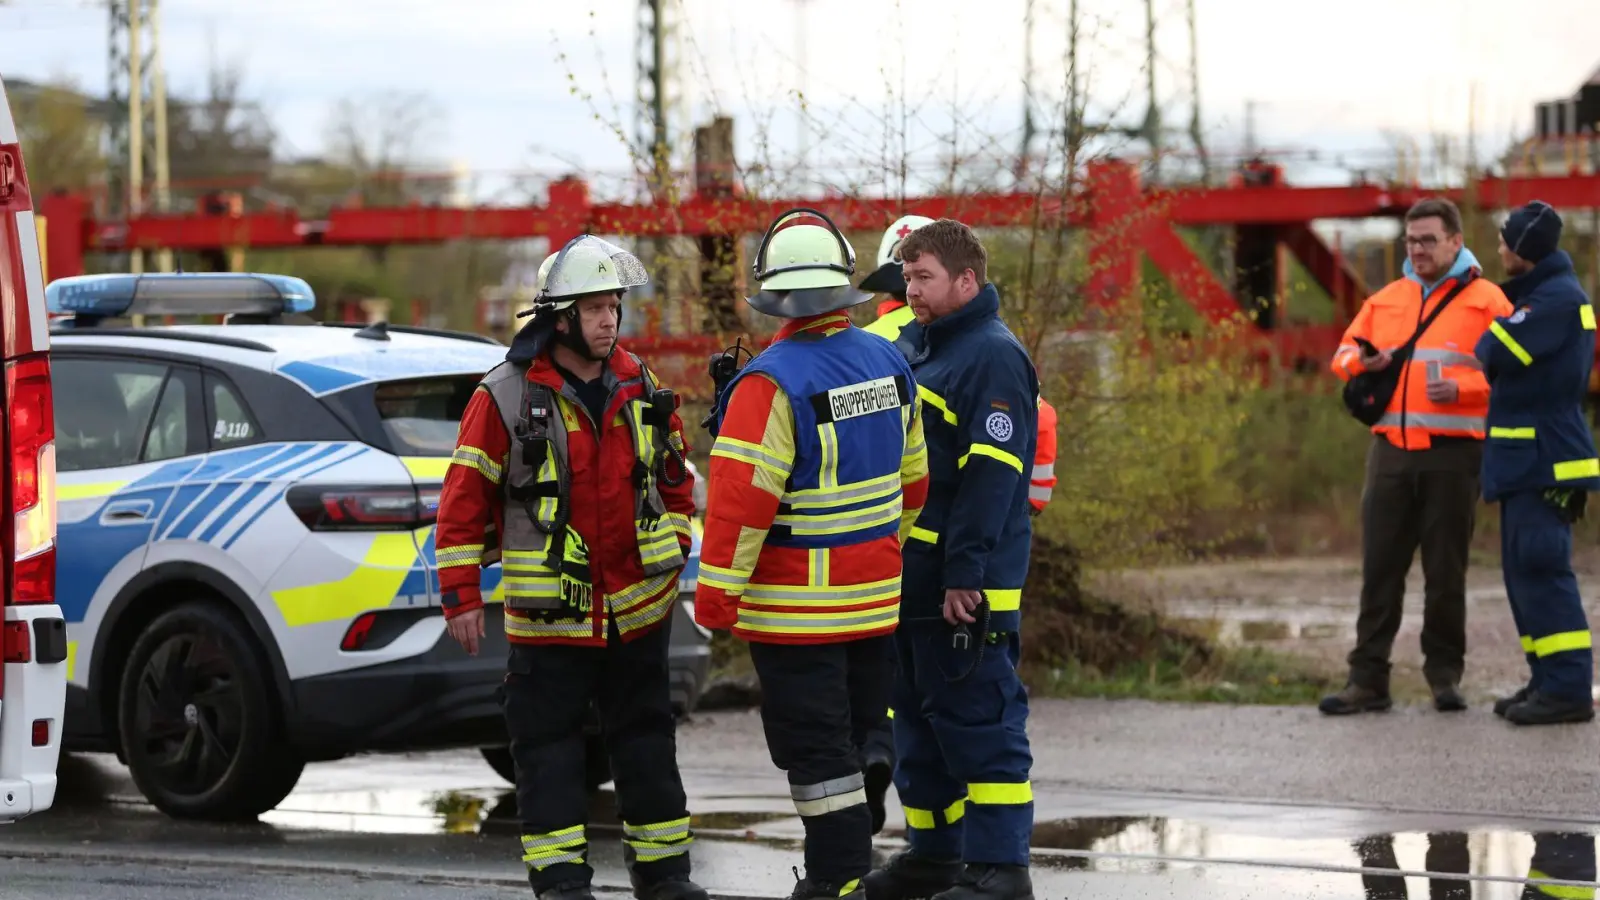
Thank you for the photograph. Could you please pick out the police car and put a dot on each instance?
(246, 539)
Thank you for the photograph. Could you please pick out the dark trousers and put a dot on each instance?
(1536, 557)
(548, 692)
(818, 701)
(963, 772)
(1411, 499)
(879, 743)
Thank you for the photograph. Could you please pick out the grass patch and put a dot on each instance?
(1225, 675)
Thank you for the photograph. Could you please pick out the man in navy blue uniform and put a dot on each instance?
(960, 710)
(1539, 462)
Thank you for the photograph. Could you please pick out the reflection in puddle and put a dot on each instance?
(1496, 864)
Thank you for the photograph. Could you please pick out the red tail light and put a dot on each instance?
(366, 508)
(31, 457)
(41, 732)
(355, 637)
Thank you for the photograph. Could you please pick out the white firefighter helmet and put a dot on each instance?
(586, 265)
(888, 277)
(804, 269)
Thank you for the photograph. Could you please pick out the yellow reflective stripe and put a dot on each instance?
(658, 840)
(927, 818)
(540, 851)
(1511, 343)
(1562, 642)
(473, 458)
(730, 580)
(849, 887)
(754, 454)
(993, 452)
(671, 830)
(86, 491)
(842, 523)
(1586, 316)
(891, 712)
(1577, 468)
(517, 626)
(924, 534)
(1004, 600)
(1000, 793)
(844, 494)
(1560, 891)
(431, 467)
(1527, 644)
(459, 555)
(937, 402)
(1522, 434)
(373, 585)
(828, 471)
(825, 620)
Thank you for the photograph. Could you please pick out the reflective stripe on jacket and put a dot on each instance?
(1538, 361)
(1389, 318)
(633, 572)
(817, 472)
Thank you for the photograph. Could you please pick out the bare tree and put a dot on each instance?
(378, 137)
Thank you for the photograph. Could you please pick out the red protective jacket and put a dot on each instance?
(602, 499)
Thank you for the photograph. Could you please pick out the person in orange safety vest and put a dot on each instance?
(1422, 470)
(818, 472)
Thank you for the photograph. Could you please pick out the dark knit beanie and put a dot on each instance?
(1533, 232)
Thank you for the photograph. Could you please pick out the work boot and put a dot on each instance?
(983, 881)
(810, 889)
(1447, 698)
(879, 773)
(1355, 699)
(908, 877)
(672, 887)
(1505, 703)
(567, 890)
(1542, 709)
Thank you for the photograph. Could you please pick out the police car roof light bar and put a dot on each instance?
(89, 298)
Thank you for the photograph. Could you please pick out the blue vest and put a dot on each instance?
(851, 395)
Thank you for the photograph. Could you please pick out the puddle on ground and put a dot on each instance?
(1480, 865)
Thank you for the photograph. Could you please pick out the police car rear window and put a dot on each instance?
(421, 416)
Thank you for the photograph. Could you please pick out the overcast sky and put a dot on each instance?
(504, 71)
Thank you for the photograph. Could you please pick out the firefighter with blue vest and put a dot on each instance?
(818, 470)
(960, 724)
(1539, 462)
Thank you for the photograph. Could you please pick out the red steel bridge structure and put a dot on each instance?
(1122, 218)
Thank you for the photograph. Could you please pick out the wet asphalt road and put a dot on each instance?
(1133, 800)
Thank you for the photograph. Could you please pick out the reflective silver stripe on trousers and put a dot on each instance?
(1435, 420)
(829, 796)
(1448, 357)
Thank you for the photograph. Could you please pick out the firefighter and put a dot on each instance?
(569, 471)
(1561, 856)
(1540, 462)
(961, 711)
(894, 315)
(817, 472)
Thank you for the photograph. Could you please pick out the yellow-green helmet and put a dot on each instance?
(804, 269)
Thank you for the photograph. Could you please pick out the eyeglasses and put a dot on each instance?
(1426, 242)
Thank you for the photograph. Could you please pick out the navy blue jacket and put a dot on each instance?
(1537, 360)
(979, 396)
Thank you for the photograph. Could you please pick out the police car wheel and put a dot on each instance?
(597, 763)
(198, 721)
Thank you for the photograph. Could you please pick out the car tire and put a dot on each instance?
(597, 763)
(198, 721)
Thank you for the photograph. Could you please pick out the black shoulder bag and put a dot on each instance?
(1367, 395)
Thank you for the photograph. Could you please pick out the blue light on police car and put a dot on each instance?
(200, 293)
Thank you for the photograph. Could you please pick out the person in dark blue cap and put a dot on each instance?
(1539, 462)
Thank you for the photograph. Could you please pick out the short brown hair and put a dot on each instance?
(1437, 208)
(952, 244)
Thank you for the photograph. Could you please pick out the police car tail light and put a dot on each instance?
(31, 458)
(360, 508)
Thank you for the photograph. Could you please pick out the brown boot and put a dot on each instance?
(1355, 699)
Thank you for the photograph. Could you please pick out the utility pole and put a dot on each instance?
(137, 91)
(1196, 124)
(1021, 170)
(803, 132)
(1152, 115)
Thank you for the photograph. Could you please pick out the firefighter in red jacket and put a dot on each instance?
(569, 472)
(817, 473)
